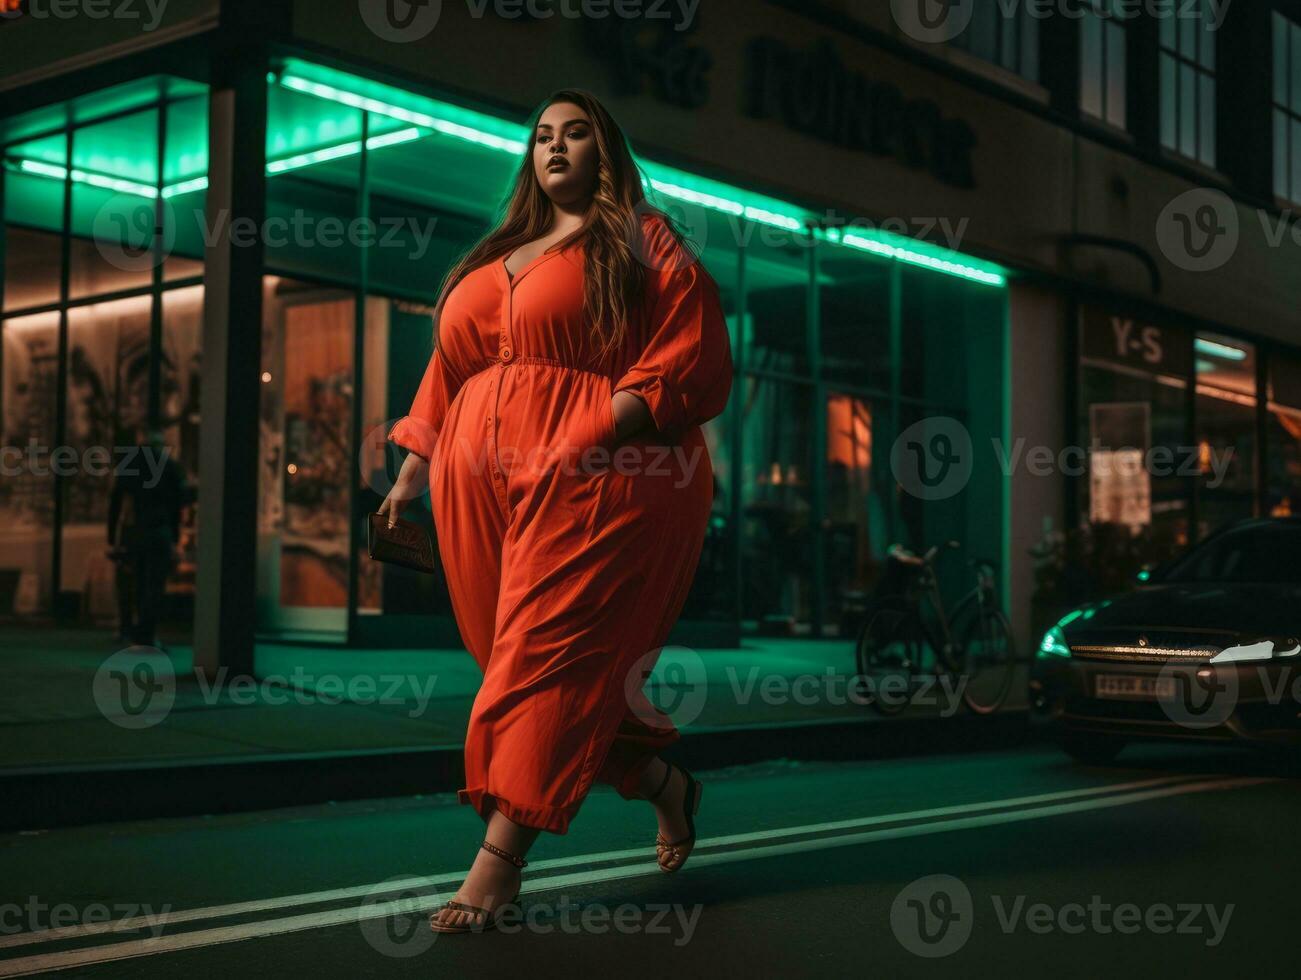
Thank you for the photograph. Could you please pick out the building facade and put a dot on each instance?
(974, 269)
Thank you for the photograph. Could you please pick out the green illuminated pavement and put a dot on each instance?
(351, 700)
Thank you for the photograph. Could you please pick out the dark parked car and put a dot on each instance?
(1206, 647)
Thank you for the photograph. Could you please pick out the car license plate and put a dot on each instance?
(1133, 686)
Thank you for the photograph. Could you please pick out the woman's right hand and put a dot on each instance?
(412, 481)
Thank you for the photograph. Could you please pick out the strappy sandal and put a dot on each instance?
(490, 919)
(672, 850)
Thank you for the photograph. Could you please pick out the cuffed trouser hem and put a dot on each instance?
(539, 816)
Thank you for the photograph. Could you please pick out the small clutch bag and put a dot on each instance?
(405, 543)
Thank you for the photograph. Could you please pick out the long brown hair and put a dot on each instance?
(615, 271)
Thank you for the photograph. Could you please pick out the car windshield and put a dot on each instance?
(1260, 553)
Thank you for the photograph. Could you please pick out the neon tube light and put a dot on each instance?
(1224, 351)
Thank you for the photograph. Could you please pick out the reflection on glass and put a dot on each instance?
(1226, 430)
(776, 505)
(306, 419)
(1284, 434)
(107, 412)
(113, 225)
(30, 388)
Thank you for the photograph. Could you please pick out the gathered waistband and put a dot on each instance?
(534, 359)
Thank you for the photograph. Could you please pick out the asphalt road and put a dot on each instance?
(1179, 859)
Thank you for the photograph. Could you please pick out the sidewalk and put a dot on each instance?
(329, 722)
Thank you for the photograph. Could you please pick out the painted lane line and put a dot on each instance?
(319, 920)
(139, 923)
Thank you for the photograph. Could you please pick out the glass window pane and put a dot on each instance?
(32, 263)
(1030, 47)
(30, 389)
(114, 197)
(1294, 67)
(1116, 68)
(854, 299)
(776, 504)
(1226, 430)
(1206, 131)
(1168, 33)
(1280, 61)
(1295, 154)
(1283, 454)
(314, 160)
(1282, 170)
(305, 481)
(1187, 34)
(1091, 65)
(107, 414)
(1187, 111)
(185, 179)
(1169, 103)
(180, 414)
(1208, 38)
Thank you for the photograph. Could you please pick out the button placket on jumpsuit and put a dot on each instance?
(563, 579)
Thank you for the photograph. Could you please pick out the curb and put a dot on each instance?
(66, 797)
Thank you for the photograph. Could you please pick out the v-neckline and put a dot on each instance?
(513, 280)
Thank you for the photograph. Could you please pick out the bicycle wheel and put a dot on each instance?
(888, 652)
(988, 661)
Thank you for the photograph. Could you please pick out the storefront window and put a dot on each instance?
(1133, 425)
(102, 331)
(30, 392)
(307, 390)
(1283, 450)
(1226, 431)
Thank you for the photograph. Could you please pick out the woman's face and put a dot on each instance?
(565, 156)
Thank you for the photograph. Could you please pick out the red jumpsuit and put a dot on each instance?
(564, 578)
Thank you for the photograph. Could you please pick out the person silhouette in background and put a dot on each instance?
(144, 523)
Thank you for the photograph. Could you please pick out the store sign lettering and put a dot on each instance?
(812, 92)
(1123, 340)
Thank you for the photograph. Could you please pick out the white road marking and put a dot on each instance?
(138, 923)
(318, 920)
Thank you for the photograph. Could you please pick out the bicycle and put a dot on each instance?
(974, 644)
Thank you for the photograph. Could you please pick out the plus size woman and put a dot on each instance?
(579, 346)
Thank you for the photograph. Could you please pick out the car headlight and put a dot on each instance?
(1054, 644)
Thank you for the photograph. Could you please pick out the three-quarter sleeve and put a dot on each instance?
(684, 373)
(418, 430)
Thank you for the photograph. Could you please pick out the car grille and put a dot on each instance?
(1144, 654)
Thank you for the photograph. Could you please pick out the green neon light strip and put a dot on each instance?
(1223, 351)
(498, 134)
(428, 115)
